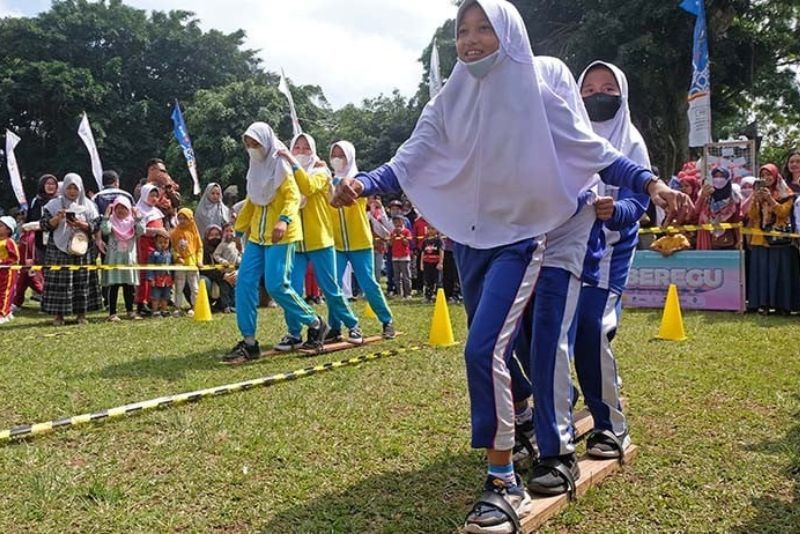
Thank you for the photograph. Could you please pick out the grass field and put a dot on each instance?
(383, 447)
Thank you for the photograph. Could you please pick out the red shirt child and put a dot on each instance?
(401, 240)
(9, 255)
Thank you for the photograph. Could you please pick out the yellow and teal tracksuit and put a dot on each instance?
(272, 261)
(317, 247)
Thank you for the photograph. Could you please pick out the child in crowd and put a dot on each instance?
(401, 256)
(271, 218)
(187, 251)
(153, 219)
(227, 252)
(160, 281)
(9, 255)
(122, 225)
(431, 261)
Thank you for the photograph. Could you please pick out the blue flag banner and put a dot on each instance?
(700, 89)
(182, 136)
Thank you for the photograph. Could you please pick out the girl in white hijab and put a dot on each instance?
(270, 217)
(71, 218)
(317, 246)
(211, 210)
(494, 195)
(604, 88)
(352, 234)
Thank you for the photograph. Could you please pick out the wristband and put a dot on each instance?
(285, 218)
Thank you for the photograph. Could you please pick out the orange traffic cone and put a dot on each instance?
(672, 320)
(441, 327)
(202, 308)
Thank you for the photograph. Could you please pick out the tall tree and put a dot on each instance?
(123, 66)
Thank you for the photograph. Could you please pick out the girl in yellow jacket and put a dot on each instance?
(271, 220)
(353, 238)
(314, 182)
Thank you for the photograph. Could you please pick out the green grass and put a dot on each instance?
(385, 446)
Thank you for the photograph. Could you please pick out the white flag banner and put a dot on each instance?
(85, 133)
(12, 140)
(700, 120)
(283, 87)
(435, 83)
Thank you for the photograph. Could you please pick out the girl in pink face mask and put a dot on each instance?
(719, 203)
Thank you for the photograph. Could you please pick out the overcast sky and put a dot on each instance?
(353, 49)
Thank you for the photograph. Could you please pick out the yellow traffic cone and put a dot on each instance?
(369, 313)
(672, 320)
(441, 328)
(202, 308)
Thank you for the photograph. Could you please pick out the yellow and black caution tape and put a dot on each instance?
(27, 431)
(132, 267)
(720, 226)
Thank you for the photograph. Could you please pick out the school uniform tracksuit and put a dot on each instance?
(272, 261)
(317, 247)
(353, 240)
(497, 284)
(599, 310)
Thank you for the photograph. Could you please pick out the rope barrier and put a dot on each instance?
(27, 431)
(720, 226)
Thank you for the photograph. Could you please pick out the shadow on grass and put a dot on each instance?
(175, 368)
(776, 514)
(433, 499)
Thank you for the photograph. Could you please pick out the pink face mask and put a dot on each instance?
(719, 182)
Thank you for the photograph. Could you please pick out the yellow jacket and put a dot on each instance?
(316, 214)
(351, 227)
(259, 221)
(783, 215)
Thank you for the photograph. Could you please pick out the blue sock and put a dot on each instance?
(504, 473)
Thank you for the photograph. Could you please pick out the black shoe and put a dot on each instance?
(525, 449)
(288, 343)
(334, 336)
(554, 476)
(388, 331)
(604, 444)
(355, 336)
(243, 352)
(315, 340)
(144, 311)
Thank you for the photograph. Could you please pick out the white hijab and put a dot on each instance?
(557, 76)
(148, 213)
(211, 213)
(314, 157)
(496, 160)
(620, 131)
(350, 153)
(83, 208)
(264, 177)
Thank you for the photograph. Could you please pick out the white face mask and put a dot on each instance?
(257, 154)
(481, 68)
(719, 183)
(304, 160)
(338, 164)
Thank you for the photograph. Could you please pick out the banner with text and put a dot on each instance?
(706, 280)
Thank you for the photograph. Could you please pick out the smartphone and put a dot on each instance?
(760, 184)
(70, 216)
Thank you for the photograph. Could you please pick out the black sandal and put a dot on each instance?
(607, 437)
(558, 467)
(493, 499)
